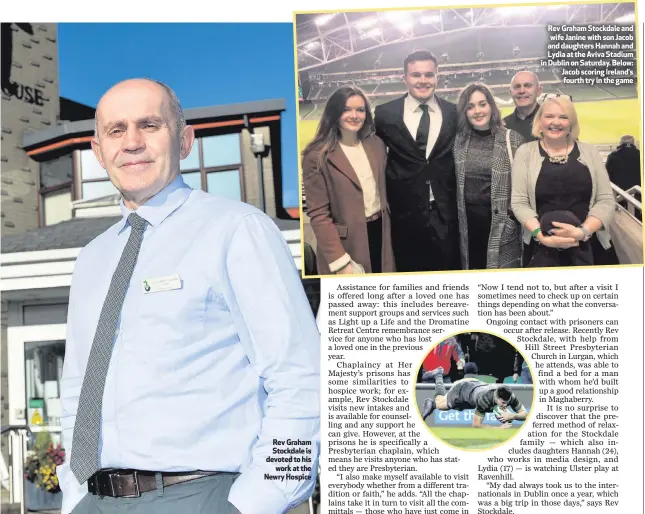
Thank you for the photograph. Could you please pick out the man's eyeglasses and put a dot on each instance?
(548, 96)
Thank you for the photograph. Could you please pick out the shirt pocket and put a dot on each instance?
(175, 314)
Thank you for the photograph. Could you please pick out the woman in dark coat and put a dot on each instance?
(343, 172)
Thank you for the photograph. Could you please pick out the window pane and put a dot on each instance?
(44, 314)
(43, 369)
(192, 161)
(90, 167)
(57, 206)
(56, 172)
(98, 189)
(221, 150)
(224, 183)
(193, 179)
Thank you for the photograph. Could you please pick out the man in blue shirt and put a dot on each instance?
(211, 378)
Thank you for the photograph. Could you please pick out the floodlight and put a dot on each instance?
(372, 33)
(324, 19)
(366, 23)
(626, 18)
(395, 16)
(520, 10)
(402, 20)
(430, 18)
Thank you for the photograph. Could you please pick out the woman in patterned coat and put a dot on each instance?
(489, 234)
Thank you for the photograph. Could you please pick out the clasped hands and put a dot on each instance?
(563, 237)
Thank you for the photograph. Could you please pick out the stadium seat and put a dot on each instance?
(627, 237)
(305, 109)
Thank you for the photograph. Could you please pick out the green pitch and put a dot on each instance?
(470, 438)
(601, 122)
(306, 132)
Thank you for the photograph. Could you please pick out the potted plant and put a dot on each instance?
(42, 491)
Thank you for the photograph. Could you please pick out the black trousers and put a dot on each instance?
(479, 223)
(430, 245)
(375, 240)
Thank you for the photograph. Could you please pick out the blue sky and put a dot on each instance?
(205, 63)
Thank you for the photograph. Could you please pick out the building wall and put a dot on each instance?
(251, 178)
(4, 377)
(30, 101)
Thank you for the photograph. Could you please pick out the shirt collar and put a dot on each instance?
(412, 104)
(537, 106)
(160, 206)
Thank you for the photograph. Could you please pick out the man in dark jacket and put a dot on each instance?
(525, 90)
(624, 168)
(624, 164)
(419, 130)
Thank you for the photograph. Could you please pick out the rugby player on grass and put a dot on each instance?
(470, 393)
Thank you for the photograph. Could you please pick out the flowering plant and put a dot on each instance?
(40, 466)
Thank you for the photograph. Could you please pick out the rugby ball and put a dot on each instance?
(498, 411)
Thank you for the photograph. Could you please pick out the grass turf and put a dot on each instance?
(601, 122)
(473, 438)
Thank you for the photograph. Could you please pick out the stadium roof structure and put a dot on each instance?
(328, 37)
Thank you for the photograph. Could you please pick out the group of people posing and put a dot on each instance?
(426, 185)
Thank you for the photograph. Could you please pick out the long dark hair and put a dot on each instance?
(328, 133)
(496, 123)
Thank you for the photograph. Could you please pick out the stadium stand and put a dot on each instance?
(582, 93)
(395, 87)
(491, 55)
(489, 41)
(498, 65)
(315, 90)
(317, 111)
(305, 109)
(327, 90)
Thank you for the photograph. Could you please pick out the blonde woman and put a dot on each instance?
(561, 192)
